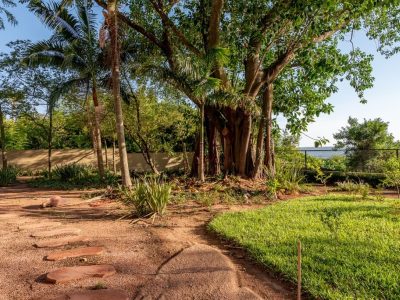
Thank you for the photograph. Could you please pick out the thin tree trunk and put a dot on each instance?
(99, 150)
(185, 158)
(269, 147)
(3, 140)
(113, 158)
(123, 156)
(90, 124)
(201, 152)
(50, 141)
(106, 153)
(244, 145)
(260, 137)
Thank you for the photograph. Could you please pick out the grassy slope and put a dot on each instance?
(363, 262)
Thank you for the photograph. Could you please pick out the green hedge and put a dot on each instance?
(373, 179)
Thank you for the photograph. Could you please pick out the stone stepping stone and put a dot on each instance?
(76, 252)
(198, 270)
(80, 272)
(39, 225)
(106, 294)
(54, 243)
(56, 232)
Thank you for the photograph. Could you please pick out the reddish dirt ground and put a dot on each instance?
(137, 251)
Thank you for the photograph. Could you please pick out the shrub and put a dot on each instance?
(8, 175)
(373, 179)
(288, 175)
(72, 172)
(392, 174)
(335, 163)
(360, 188)
(148, 196)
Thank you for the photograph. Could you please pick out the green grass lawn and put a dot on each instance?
(351, 247)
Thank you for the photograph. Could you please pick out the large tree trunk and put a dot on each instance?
(201, 150)
(113, 20)
(3, 140)
(97, 132)
(236, 142)
(213, 153)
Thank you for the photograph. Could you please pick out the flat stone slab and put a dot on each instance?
(106, 294)
(73, 273)
(76, 252)
(57, 232)
(39, 225)
(197, 272)
(54, 243)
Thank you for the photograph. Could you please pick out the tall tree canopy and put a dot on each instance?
(256, 48)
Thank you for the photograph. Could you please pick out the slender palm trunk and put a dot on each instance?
(50, 141)
(123, 156)
(201, 152)
(97, 132)
(3, 140)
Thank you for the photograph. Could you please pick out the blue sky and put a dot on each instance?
(383, 98)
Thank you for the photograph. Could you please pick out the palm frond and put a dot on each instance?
(56, 17)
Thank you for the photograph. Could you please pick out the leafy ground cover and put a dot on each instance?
(351, 247)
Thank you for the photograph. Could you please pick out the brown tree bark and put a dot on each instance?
(50, 141)
(269, 146)
(97, 132)
(201, 174)
(123, 156)
(267, 98)
(214, 167)
(3, 140)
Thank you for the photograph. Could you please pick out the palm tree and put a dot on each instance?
(112, 8)
(74, 47)
(4, 11)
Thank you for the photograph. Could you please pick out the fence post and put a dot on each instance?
(397, 153)
(305, 159)
(298, 270)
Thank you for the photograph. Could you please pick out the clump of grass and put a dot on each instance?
(71, 176)
(332, 268)
(148, 196)
(99, 286)
(360, 188)
(8, 175)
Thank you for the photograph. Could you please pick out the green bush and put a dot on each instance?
(8, 175)
(392, 174)
(335, 163)
(289, 175)
(72, 172)
(71, 176)
(373, 179)
(148, 196)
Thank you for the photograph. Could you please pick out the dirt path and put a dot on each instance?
(172, 258)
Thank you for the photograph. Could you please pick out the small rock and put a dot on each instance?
(54, 201)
